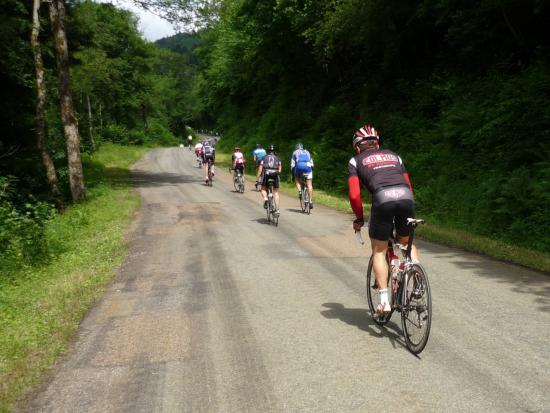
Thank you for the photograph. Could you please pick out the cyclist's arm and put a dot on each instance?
(406, 176)
(280, 168)
(354, 187)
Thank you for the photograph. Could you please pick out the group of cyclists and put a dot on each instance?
(381, 171)
(269, 167)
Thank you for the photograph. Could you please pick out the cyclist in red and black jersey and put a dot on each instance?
(384, 175)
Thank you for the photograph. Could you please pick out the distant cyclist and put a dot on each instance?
(198, 149)
(270, 168)
(258, 154)
(384, 175)
(208, 154)
(237, 161)
(189, 141)
(302, 164)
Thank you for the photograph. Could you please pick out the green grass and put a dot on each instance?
(441, 233)
(41, 307)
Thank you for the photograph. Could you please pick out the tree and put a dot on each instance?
(70, 127)
(47, 162)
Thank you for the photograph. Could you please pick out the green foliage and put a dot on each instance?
(459, 89)
(117, 134)
(160, 134)
(22, 221)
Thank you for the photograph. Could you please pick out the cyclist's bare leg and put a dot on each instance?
(298, 184)
(414, 252)
(276, 196)
(264, 193)
(205, 170)
(310, 188)
(379, 264)
(257, 173)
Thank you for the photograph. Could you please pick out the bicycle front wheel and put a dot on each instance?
(416, 315)
(373, 298)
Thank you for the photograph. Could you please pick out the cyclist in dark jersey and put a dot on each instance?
(270, 168)
(208, 153)
(384, 175)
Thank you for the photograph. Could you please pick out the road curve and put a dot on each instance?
(216, 311)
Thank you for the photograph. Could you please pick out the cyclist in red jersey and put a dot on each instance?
(384, 175)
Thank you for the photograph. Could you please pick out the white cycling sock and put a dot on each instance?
(383, 295)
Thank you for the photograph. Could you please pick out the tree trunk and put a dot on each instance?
(70, 127)
(144, 115)
(41, 142)
(100, 121)
(90, 121)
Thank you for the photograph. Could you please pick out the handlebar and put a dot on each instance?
(359, 237)
(414, 222)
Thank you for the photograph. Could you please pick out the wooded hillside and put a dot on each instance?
(459, 88)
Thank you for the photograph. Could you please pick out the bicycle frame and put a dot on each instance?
(400, 302)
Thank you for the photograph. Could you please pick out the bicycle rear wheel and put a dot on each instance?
(209, 176)
(241, 184)
(373, 298)
(307, 208)
(236, 183)
(273, 211)
(302, 205)
(416, 315)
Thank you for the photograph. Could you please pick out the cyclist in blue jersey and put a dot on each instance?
(301, 163)
(258, 154)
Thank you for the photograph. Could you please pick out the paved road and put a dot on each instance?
(216, 311)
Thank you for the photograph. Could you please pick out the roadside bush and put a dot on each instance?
(22, 239)
(160, 134)
(117, 134)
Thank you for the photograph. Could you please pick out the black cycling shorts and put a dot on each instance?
(399, 205)
(273, 178)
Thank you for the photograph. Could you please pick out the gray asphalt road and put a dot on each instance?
(216, 311)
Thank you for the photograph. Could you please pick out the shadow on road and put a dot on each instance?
(148, 179)
(262, 221)
(360, 318)
(520, 279)
(297, 211)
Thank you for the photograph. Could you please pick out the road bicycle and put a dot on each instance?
(272, 214)
(199, 162)
(408, 291)
(210, 173)
(304, 195)
(238, 181)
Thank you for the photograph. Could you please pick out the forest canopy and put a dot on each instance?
(460, 89)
